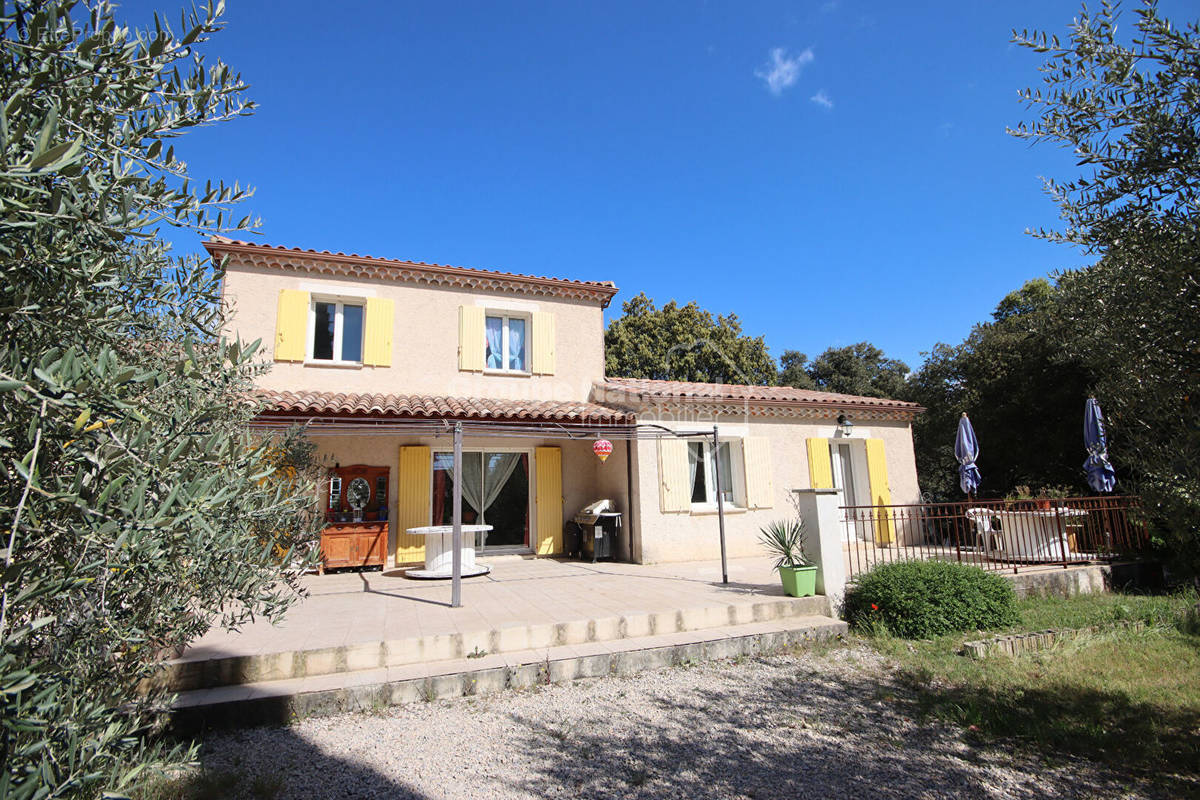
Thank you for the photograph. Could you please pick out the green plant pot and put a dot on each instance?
(799, 581)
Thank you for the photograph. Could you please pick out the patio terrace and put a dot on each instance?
(393, 639)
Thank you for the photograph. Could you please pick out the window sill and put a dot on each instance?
(314, 362)
(704, 509)
(511, 373)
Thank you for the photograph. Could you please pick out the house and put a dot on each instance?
(378, 357)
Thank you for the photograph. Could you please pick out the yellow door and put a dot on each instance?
(881, 491)
(414, 499)
(548, 501)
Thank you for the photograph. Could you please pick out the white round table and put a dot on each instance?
(439, 552)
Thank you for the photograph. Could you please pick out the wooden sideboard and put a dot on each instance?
(353, 544)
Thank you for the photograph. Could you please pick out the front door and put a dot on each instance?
(495, 491)
(842, 461)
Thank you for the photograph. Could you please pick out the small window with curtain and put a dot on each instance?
(337, 331)
(702, 473)
(505, 343)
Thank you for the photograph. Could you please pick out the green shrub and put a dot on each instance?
(919, 599)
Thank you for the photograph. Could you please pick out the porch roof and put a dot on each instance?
(655, 392)
(349, 406)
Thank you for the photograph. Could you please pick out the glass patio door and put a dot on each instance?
(495, 492)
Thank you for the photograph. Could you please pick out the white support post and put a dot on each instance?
(823, 539)
(456, 537)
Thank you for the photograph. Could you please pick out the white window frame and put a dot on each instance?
(340, 303)
(734, 483)
(505, 317)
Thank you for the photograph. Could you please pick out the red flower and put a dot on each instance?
(874, 607)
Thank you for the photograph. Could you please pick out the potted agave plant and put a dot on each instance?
(785, 539)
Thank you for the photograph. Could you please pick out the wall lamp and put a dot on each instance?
(845, 425)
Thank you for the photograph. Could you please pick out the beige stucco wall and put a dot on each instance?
(585, 479)
(425, 338)
(664, 537)
(611, 482)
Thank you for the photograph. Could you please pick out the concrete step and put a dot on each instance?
(188, 674)
(278, 702)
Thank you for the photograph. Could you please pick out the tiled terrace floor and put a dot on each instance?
(357, 607)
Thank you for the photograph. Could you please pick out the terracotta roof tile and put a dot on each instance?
(728, 392)
(383, 406)
(352, 264)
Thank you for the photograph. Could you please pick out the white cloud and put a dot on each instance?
(780, 71)
(822, 99)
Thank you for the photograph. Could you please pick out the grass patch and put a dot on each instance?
(201, 784)
(210, 784)
(1130, 699)
(1082, 611)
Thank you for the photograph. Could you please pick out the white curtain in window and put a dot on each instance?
(695, 461)
(499, 466)
(472, 485)
(495, 342)
(726, 464)
(516, 344)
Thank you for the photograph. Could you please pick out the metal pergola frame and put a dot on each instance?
(440, 426)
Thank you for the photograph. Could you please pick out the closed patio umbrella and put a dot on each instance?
(966, 450)
(1100, 474)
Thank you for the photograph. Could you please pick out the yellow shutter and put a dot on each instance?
(548, 500)
(673, 475)
(760, 489)
(414, 500)
(820, 468)
(377, 332)
(470, 338)
(543, 357)
(291, 326)
(881, 492)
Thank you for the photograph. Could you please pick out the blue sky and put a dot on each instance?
(830, 171)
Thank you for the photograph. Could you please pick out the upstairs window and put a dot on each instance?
(337, 331)
(505, 343)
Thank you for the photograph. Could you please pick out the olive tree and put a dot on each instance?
(137, 508)
(1128, 108)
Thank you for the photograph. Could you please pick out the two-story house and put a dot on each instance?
(378, 357)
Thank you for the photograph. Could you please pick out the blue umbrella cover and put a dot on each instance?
(966, 450)
(1100, 474)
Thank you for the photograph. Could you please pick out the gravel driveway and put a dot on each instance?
(819, 724)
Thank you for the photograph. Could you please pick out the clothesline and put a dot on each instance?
(459, 428)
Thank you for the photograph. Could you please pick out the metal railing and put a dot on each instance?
(995, 534)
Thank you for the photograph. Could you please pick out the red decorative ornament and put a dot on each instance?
(602, 448)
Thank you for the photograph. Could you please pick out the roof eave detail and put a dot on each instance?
(409, 271)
